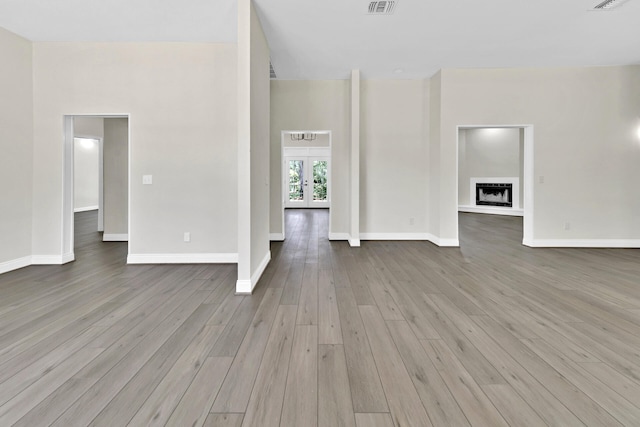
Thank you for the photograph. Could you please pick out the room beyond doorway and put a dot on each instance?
(112, 134)
(306, 170)
(518, 176)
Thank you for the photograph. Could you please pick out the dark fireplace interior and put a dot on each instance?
(494, 194)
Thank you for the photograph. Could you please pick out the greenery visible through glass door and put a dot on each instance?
(320, 180)
(296, 177)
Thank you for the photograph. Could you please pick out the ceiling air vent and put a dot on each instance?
(382, 7)
(609, 4)
(272, 72)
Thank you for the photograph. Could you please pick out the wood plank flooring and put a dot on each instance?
(390, 334)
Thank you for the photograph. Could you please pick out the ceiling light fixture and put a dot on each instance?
(382, 7)
(303, 136)
(609, 4)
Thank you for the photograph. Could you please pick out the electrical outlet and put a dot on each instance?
(541, 179)
(412, 221)
(147, 179)
(567, 226)
(187, 236)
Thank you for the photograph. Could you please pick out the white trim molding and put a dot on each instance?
(52, 259)
(585, 243)
(493, 210)
(245, 287)
(411, 236)
(444, 243)
(241, 285)
(276, 237)
(339, 236)
(115, 237)
(15, 264)
(68, 257)
(202, 258)
(395, 236)
(255, 277)
(354, 243)
(85, 209)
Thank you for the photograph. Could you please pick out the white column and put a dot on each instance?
(354, 227)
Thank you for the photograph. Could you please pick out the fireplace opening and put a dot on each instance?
(489, 194)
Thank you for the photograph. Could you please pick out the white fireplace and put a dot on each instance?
(494, 195)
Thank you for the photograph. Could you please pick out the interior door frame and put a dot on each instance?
(528, 175)
(285, 134)
(67, 238)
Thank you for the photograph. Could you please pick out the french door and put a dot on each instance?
(306, 182)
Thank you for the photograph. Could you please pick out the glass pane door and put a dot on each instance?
(306, 182)
(296, 186)
(320, 180)
(296, 180)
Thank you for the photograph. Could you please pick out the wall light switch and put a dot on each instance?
(147, 179)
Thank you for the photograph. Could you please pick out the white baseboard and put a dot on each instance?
(68, 257)
(411, 236)
(276, 237)
(255, 277)
(15, 264)
(491, 210)
(86, 208)
(115, 237)
(339, 236)
(52, 259)
(245, 287)
(584, 243)
(206, 258)
(444, 243)
(395, 236)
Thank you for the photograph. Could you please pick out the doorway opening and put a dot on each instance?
(495, 172)
(91, 139)
(306, 170)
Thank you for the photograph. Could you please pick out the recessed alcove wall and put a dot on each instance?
(489, 152)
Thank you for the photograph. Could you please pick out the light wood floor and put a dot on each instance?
(392, 333)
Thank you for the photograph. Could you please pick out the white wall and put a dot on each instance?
(181, 100)
(260, 121)
(488, 152)
(86, 158)
(16, 145)
(88, 127)
(116, 180)
(312, 105)
(586, 145)
(253, 149)
(394, 159)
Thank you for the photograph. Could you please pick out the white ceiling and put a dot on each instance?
(325, 39)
